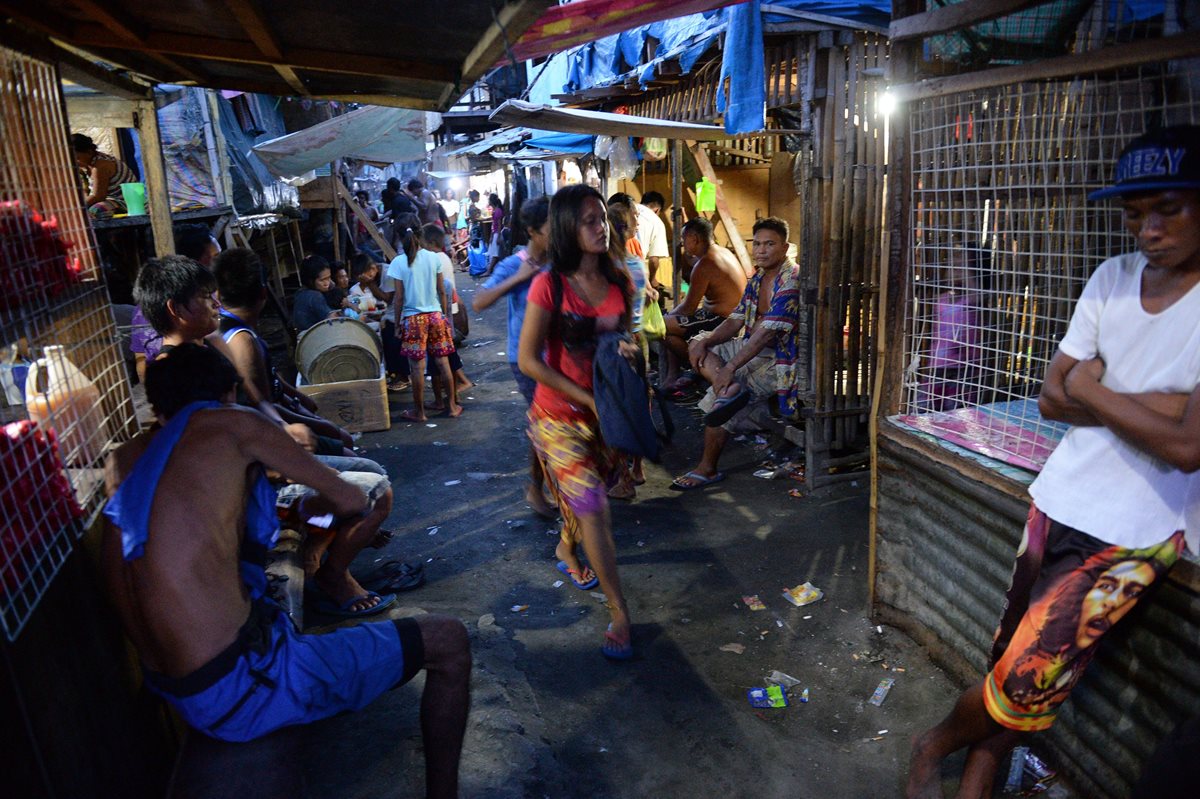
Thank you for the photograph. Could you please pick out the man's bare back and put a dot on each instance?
(183, 601)
(720, 275)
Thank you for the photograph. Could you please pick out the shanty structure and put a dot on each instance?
(1009, 114)
(76, 720)
(817, 158)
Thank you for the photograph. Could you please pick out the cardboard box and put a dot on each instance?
(360, 406)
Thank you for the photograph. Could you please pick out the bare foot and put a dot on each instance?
(455, 411)
(923, 773)
(567, 555)
(412, 416)
(435, 406)
(343, 588)
(535, 500)
(464, 383)
(623, 492)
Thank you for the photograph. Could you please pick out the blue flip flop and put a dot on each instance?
(616, 649)
(574, 576)
(725, 408)
(323, 604)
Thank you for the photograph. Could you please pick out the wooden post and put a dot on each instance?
(335, 212)
(224, 181)
(735, 239)
(388, 251)
(158, 200)
(676, 213)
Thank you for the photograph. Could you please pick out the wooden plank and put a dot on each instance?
(1170, 48)
(735, 239)
(158, 201)
(225, 192)
(86, 111)
(128, 29)
(955, 17)
(388, 251)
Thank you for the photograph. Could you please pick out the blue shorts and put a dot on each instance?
(273, 676)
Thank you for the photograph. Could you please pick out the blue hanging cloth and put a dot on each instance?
(742, 62)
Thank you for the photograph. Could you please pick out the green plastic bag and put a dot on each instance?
(706, 196)
(654, 327)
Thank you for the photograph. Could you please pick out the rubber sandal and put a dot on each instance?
(321, 603)
(574, 575)
(614, 648)
(725, 407)
(697, 481)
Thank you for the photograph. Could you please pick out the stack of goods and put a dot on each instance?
(36, 500)
(33, 256)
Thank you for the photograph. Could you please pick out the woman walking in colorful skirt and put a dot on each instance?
(583, 294)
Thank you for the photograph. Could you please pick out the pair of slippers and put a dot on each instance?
(394, 576)
(320, 602)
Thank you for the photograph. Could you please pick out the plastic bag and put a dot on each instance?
(603, 146)
(654, 327)
(654, 149)
(622, 160)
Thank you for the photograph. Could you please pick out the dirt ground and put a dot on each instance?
(550, 716)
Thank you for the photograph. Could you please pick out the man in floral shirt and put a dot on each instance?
(752, 354)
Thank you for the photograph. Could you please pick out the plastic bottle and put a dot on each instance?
(59, 395)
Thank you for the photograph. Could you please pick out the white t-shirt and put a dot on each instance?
(365, 299)
(652, 235)
(419, 280)
(1094, 481)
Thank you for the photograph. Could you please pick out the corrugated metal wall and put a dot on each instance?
(946, 543)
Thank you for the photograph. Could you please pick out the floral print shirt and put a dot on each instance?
(783, 315)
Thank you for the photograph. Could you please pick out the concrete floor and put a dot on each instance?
(550, 716)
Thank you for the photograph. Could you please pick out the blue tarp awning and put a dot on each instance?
(563, 142)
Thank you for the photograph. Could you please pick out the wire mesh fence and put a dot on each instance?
(66, 395)
(1004, 240)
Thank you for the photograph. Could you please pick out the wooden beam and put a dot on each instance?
(158, 200)
(1184, 45)
(71, 66)
(213, 49)
(101, 111)
(127, 28)
(114, 18)
(388, 251)
(248, 15)
(735, 239)
(955, 17)
(510, 22)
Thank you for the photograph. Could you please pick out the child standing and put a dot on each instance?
(420, 302)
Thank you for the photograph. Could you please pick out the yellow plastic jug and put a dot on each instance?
(58, 395)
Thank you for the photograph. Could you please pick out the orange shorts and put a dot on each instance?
(426, 333)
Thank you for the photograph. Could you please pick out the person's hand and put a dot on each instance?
(628, 350)
(652, 294)
(697, 350)
(527, 269)
(302, 435)
(722, 379)
(1084, 375)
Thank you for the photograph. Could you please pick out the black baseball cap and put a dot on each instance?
(1162, 159)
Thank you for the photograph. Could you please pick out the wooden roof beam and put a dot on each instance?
(71, 66)
(955, 17)
(509, 23)
(129, 29)
(212, 49)
(248, 15)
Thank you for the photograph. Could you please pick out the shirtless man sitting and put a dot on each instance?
(715, 287)
(191, 517)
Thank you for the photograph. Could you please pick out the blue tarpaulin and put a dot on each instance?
(562, 142)
(742, 62)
